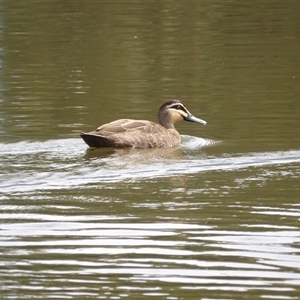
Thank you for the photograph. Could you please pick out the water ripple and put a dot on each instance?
(50, 165)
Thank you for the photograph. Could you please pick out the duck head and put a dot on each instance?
(173, 111)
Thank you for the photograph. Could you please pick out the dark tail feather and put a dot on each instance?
(95, 141)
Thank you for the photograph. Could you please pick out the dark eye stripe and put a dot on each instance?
(178, 107)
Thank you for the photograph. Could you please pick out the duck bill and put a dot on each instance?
(191, 118)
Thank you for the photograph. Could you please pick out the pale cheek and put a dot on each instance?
(176, 118)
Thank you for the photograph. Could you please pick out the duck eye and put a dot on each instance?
(178, 107)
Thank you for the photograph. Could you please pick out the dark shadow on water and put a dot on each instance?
(99, 152)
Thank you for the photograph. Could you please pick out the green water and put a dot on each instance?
(217, 218)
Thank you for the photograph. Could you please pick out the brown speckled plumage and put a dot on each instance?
(128, 133)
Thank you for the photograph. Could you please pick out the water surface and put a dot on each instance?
(217, 218)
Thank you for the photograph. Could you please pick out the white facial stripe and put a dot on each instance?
(184, 114)
(182, 110)
(173, 105)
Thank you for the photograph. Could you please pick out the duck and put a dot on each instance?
(140, 134)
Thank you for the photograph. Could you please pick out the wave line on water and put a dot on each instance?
(47, 166)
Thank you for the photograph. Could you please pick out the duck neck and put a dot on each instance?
(167, 125)
(165, 120)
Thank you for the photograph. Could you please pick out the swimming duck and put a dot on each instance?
(128, 133)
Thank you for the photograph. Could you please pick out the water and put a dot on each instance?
(217, 218)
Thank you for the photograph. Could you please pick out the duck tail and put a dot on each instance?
(95, 141)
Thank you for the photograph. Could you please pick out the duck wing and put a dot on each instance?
(123, 126)
(132, 133)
